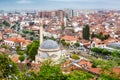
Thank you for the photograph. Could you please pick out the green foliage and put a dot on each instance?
(63, 42)
(100, 36)
(31, 32)
(97, 63)
(21, 58)
(25, 31)
(7, 67)
(32, 50)
(77, 44)
(92, 35)
(79, 75)
(28, 76)
(101, 51)
(75, 56)
(105, 51)
(52, 38)
(4, 46)
(20, 52)
(50, 72)
(115, 53)
(97, 50)
(63, 27)
(107, 77)
(28, 31)
(6, 23)
(86, 32)
(67, 44)
(105, 66)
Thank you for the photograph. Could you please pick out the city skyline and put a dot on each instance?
(58, 4)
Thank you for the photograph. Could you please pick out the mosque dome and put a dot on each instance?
(49, 44)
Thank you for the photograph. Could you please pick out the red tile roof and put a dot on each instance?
(69, 38)
(85, 62)
(16, 39)
(95, 70)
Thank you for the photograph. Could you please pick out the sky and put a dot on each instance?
(58, 4)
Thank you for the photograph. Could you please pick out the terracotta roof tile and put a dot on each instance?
(69, 38)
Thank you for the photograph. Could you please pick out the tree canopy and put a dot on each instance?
(7, 67)
(86, 32)
(50, 72)
(32, 50)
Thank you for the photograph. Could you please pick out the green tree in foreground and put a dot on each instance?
(79, 75)
(7, 67)
(50, 72)
(107, 77)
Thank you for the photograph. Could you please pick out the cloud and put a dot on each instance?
(24, 1)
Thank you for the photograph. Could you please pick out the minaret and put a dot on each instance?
(41, 31)
(65, 22)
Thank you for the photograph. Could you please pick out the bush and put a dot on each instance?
(4, 46)
(115, 53)
(105, 52)
(20, 52)
(97, 50)
(77, 44)
(75, 56)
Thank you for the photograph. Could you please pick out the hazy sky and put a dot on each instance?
(59, 4)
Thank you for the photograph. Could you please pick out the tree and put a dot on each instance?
(107, 77)
(50, 72)
(28, 76)
(63, 42)
(86, 32)
(115, 54)
(20, 52)
(67, 44)
(4, 46)
(97, 50)
(52, 38)
(77, 44)
(6, 23)
(105, 52)
(63, 28)
(7, 67)
(32, 50)
(79, 75)
(31, 32)
(92, 35)
(22, 58)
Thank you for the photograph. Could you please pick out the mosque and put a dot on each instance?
(48, 49)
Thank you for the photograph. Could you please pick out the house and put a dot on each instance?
(70, 39)
(97, 43)
(13, 42)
